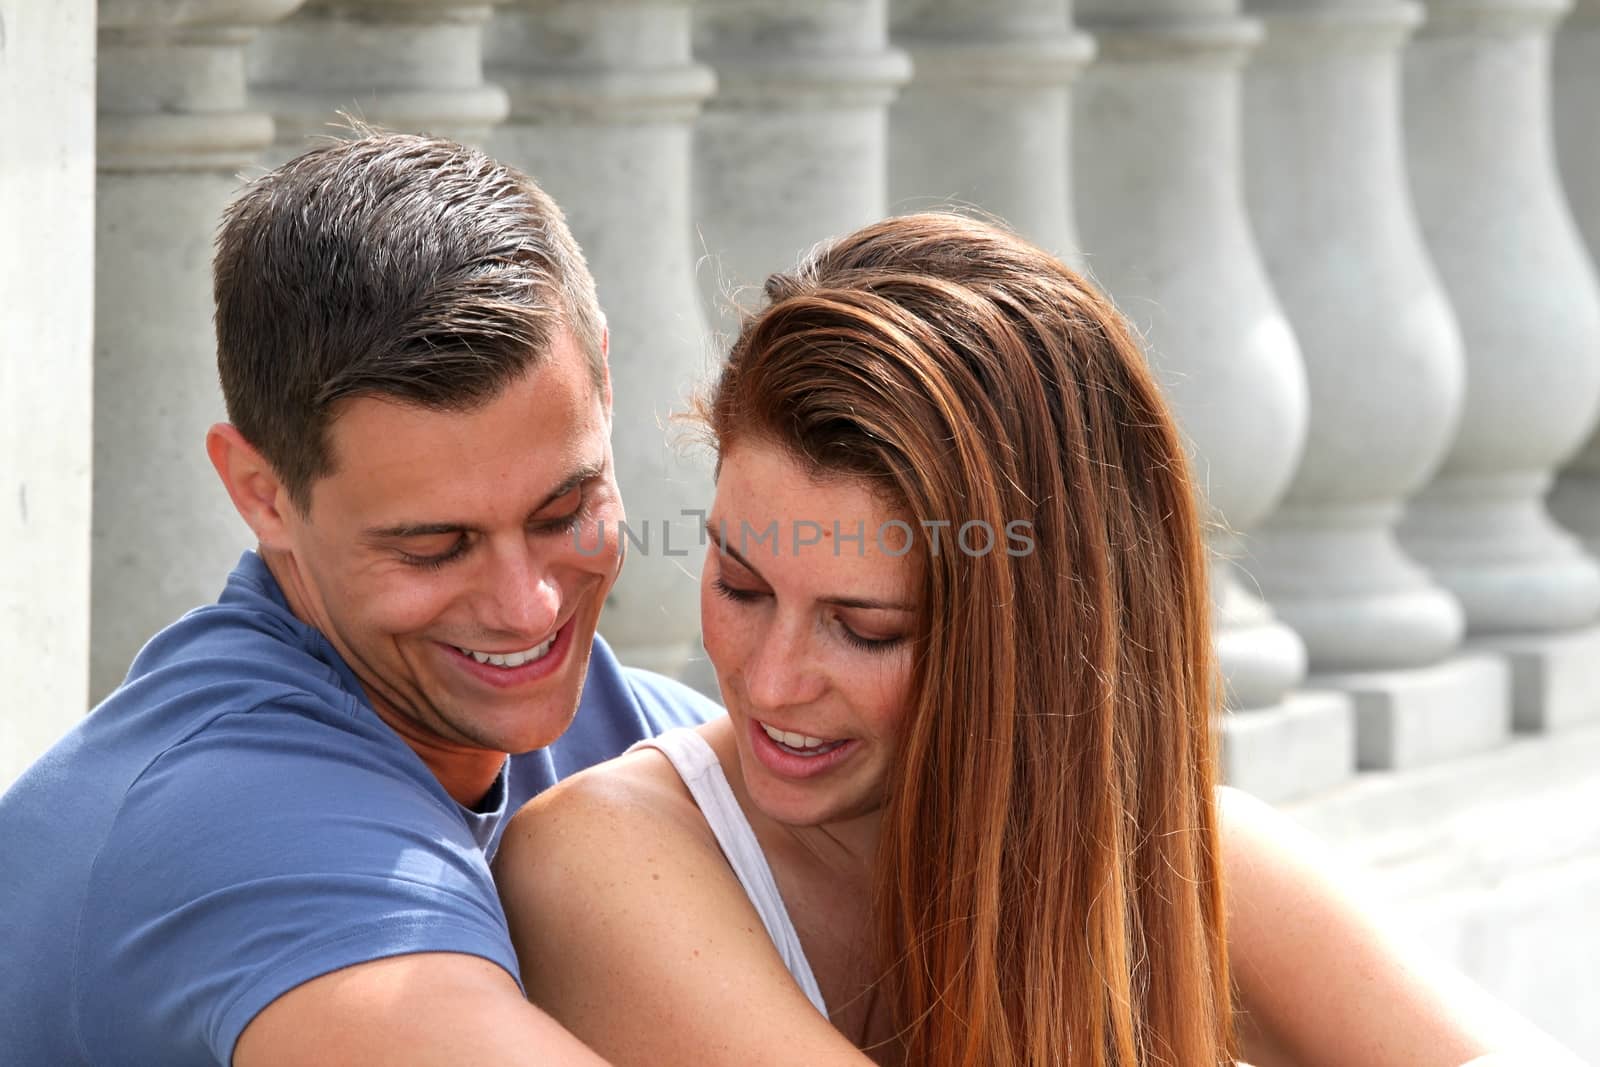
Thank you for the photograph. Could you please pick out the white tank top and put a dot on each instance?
(697, 764)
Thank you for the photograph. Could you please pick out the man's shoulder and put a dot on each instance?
(613, 690)
(193, 685)
(202, 679)
(248, 637)
(668, 702)
(227, 823)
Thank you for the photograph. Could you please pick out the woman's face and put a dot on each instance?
(808, 618)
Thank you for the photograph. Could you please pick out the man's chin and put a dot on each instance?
(531, 741)
(536, 725)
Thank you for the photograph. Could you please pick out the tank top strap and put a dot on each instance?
(697, 764)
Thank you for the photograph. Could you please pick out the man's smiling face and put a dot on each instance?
(456, 560)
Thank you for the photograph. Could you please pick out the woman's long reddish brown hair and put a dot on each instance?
(1047, 883)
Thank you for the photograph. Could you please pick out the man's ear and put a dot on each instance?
(252, 484)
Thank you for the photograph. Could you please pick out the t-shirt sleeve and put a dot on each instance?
(668, 704)
(267, 850)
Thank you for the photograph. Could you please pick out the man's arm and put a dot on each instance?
(418, 1010)
(304, 884)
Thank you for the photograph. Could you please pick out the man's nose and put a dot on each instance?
(521, 596)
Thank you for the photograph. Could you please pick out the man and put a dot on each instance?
(271, 844)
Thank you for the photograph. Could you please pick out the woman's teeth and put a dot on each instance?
(510, 659)
(800, 744)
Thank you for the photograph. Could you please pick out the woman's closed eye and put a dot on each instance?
(869, 644)
(867, 640)
(737, 594)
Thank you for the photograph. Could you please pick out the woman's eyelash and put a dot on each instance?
(868, 644)
(740, 596)
(865, 644)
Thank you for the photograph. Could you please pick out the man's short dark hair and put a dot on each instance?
(389, 265)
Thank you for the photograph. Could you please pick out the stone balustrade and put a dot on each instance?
(792, 148)
(1575, 499)
(1481, 161)
(986, 120)
(1157, 152)
(175, 128)
(1382, 345)
(396, 64)
(1386, 373)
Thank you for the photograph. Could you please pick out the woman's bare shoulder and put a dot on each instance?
(635, 797)
(631, 928)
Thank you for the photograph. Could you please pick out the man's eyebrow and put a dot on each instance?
(866, 603)
(431, 529)
(413, 529)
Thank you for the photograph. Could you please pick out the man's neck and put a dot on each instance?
(466, 771)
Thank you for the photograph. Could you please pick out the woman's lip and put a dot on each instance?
(786, 764)
(527, 673)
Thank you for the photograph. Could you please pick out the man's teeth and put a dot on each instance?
(511, 659)
(793, 740)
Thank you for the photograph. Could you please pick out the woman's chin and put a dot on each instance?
(808, 804)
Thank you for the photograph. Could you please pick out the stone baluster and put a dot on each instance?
(603, 95)
(174, 132)
(1157, 168)
(1575, 500)
(1576, 70)
(985, 118)
(792, 148)
(1326, 189)
(407, 65)
(1477, 119)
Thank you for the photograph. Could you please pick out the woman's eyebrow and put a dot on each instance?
(714, 532)
(866, 603)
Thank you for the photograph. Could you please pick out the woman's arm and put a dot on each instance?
(633, 933)
(1321, 985)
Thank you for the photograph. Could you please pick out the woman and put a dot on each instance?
(963, 809)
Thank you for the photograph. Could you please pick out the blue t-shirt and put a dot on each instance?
(235, 820)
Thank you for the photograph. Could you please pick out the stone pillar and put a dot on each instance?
(46, 373)
(1326, 189)
(407, 65)
(985, 119)
(1477, 83)
(1575, 501)
(1156, 162)
(792, 148)
(604, 94)
(174, 133)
